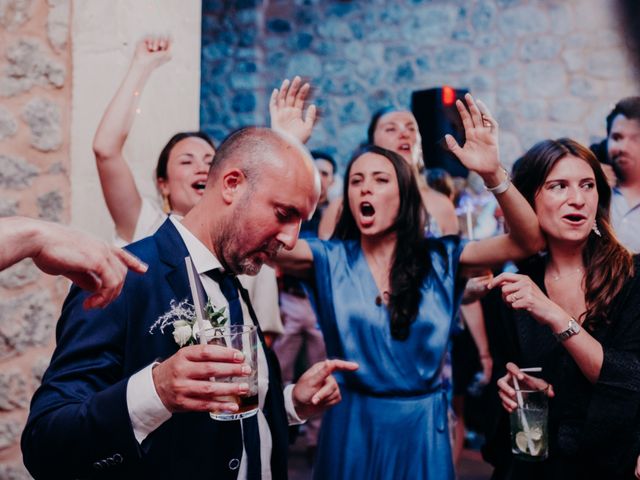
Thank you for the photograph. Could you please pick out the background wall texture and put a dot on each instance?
(546, 68)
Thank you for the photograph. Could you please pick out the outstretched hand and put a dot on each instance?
(90, 263)
(480, 150)
(286, 109)
(153, 51)
(317, 389)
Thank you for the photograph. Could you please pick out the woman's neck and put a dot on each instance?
(564, 258)
(380, 249)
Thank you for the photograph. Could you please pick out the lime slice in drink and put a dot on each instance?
(536, 433)
(521, 442)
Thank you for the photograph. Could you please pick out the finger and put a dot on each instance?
(504, 387)
(273, 100)
(340, 365)
(131, 261)
(467, 123)
(486, 113)
(476, 115)
(211, 353)
(207, 389)
(301, 96)
(293, 91)
(452, 145)
(217, 370)
(328, 389)
(513, 369)
(508, 404)
(310, 118)
(505, 277)
(282, 93)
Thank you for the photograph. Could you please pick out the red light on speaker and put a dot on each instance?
(448, 96)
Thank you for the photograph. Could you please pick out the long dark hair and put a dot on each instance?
(411, 262)
(608, 264)
(163, 159)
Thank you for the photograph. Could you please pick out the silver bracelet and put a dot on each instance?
(502, 187)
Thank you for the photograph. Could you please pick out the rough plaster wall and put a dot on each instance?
(546, 68)
(104, 36)
(35, 94)
(46, 164)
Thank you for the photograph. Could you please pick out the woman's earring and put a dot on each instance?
(595, 229)
(166, 204)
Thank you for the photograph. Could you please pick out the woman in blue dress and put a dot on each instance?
(386, 298)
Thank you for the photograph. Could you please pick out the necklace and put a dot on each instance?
(555, 277)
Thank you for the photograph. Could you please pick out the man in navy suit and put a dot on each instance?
(120, 402)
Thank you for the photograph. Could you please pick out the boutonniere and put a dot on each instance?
(182, 317)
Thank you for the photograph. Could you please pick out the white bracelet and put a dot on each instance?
(502, 187)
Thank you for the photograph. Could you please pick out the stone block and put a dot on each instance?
(19, 275)
(540, 48)
(245, 81)
(43, 117)
(453, 59)
(9, 433)
(483, 16)
(394, 52)
(353, 111)
(14, 471)
(243, 102)
(567, 109)
(301, 41)
(304, 64)
(15, 172)
(584, 87)
(38, 368)
(546, 79)
(26, 321)
(522, 20)
(14, 390)
(341, 9)
(8, 207)
(498, 56)
(574, 59)
(58, 23)
(606, 63)
(278, 25)
(14, 13)
(8, 125)
(431, 24)
(404, 73)
(27, 66)
(50, 206)
(335, 29)
(533, 109)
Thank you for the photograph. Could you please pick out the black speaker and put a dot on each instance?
(436, 112)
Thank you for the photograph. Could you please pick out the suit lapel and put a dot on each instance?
(172, 251)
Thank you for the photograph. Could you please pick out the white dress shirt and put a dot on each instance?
(146, 410)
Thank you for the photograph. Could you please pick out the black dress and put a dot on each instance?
(594, 429)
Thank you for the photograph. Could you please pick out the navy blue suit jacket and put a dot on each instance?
(79, 425)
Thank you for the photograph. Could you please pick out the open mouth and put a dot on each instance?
(367, 210)
(404, 147)
(199, 185)
(575, 217)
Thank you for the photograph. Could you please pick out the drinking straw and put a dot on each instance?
(523, 418)
(191, 273)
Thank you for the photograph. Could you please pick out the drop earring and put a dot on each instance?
(166, 204)
(595, 229)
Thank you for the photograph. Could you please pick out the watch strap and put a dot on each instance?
(573, 328)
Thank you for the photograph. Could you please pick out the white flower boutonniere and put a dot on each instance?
(182, 317)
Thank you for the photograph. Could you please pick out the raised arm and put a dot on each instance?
(297, 262)
(118, 185)
(480, 154)
(286, 109)
(58, 250)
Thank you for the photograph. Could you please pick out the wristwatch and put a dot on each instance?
(572, 329)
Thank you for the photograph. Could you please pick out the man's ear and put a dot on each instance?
(233, 182)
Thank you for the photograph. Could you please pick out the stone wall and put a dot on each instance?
(35, 93)
(546, 68)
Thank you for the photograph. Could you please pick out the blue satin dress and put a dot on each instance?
(392, 421)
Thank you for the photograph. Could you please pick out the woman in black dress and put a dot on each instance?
(575, 312)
